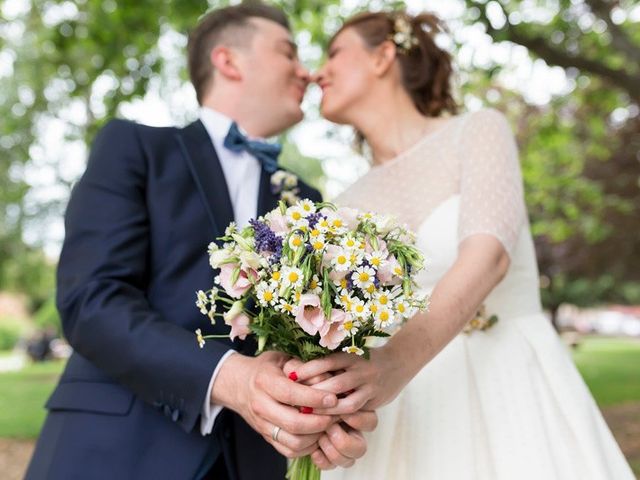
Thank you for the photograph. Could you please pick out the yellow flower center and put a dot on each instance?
(360, 308)
(341, 259)
(398, 271)
(348, 325)
(337, 223)
(384, 316)
(297, 241)
(383, 300)
(401, 307)
(293, 277)
(313, 284)
(315, 232)
(374, 308)
(268, 296)
(375, 261)
(343, 283)
(364, 277)
(275, 276)
(318, 245)
(371, 288)
(350, 242)
(296, 215)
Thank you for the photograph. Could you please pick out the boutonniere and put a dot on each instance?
(286, 184)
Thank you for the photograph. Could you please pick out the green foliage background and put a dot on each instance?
(73, 65)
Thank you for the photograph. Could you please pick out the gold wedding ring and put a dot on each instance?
(275, 432)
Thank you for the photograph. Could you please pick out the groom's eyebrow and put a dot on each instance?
(291, 44)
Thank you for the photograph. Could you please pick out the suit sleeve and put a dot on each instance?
(103, 276)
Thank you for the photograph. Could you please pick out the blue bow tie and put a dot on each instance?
(266, 153)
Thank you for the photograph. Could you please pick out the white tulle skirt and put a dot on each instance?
(503, 404)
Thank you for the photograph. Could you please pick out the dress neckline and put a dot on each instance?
(419, 143)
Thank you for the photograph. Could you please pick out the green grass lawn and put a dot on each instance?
(611, 369)
(22, 398)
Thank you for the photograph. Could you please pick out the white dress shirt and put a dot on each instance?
(242, 174)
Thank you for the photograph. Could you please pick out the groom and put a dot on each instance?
(138, 398)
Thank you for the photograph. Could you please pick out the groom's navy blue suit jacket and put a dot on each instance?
(137, 228)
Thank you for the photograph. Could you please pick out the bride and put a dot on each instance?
(464, 398)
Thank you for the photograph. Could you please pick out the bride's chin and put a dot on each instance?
(333, 115)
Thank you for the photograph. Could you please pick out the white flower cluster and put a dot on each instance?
(334, 276)
(403, 35)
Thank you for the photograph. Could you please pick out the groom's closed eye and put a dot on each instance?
(290, 49)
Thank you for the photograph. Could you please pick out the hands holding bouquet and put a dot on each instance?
(323, 280)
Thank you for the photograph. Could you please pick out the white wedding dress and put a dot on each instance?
(506, 403)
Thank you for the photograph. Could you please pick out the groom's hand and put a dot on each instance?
(257, 389)
(343, 443)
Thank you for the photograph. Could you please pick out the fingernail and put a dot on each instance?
(329, 401)
(306, 410)
(293, 376)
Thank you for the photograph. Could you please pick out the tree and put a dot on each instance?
(580, 152)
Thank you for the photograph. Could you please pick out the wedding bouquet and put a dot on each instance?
(312, 279)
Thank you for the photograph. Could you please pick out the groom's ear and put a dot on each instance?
(384, 56)
(224, 61)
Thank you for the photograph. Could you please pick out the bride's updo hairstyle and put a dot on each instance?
(426, 68)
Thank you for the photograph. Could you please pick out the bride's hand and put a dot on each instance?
(365, 384)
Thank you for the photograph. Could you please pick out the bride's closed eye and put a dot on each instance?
(332, 53)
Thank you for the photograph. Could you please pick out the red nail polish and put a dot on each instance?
(293, 376)
(306, 410)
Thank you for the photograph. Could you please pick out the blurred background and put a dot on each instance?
(565, 72)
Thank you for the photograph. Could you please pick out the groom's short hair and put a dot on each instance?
(230, 25)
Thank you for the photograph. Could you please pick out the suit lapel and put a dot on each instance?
(205, 167)
(267, 200)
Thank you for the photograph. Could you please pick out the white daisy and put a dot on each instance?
(370, 291)
(292, 277)
(286, 307)
(375, 258)
(363, 277)
(202, 302)
(359, 308)
(267, 294)
(383, 318)
(295, 214)
(350, 326)
(307, 206)
(296, 241)
(353, 349)
(342, 261)
(315, 285)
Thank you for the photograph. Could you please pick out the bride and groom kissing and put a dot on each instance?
(139, 400)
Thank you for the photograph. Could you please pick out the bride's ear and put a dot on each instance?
(384, 56)
(225, 62)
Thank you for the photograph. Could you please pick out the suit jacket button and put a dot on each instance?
(175, 415)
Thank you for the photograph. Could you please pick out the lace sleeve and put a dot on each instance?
(491, 193)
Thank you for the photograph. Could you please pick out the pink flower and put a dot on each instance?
(310, 316)
(336, 276)
(239, 326)
(278, 222)
(330, 334)
(387, 271)
(382, 247)
(330, 252)
(349, 216)
(241, 285)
